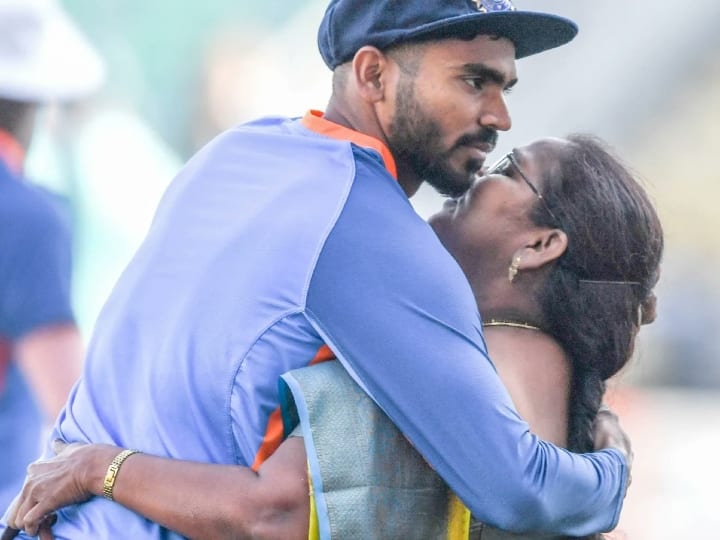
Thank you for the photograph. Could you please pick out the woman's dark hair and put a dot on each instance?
(601, 288)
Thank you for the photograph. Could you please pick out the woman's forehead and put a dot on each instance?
(542, 154)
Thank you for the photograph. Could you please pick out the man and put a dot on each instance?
(41, 59)
(285, 237)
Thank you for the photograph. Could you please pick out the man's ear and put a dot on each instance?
(370, 69)
(544, 246)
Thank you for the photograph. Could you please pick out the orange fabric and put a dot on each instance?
(274, 431)
(11, 152)
(323, 355)
(272, 439)
(315, 121)
(5, 349)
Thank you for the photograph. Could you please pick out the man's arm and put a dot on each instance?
(50, 358)
(398, 312)
(36, 305)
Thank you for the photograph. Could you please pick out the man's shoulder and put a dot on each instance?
(25, 207)
(279, 129)
(278, 147)
(292, 131)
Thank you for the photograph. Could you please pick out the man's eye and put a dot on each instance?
(475, 82)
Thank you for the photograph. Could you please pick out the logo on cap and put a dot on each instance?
(486, 6)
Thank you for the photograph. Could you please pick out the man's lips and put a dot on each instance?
(479, 149)
(483, 140)
(484, 147)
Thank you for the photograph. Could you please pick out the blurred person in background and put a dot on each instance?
(285, 239)
(42, 59)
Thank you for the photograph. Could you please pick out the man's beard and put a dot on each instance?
(415, 138)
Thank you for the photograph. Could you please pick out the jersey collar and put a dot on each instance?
(315, 121)
(11, 152)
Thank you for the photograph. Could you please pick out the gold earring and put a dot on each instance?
(514, 267)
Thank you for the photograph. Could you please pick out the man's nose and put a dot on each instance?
(495, 114)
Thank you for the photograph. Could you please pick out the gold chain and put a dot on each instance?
(512, 324)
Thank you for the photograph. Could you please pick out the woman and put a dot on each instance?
(562, 249)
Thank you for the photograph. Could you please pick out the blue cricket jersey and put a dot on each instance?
(278, 237)
(35, 270)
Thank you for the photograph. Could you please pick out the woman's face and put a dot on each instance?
(483, 228)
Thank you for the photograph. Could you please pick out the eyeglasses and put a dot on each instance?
(502, 166)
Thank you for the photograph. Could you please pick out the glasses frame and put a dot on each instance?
(510, 157)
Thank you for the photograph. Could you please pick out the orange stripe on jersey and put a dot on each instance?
(11, 152)
(274, 431)
(323, 355)
(315, 121)
(5, 361)
(272, 439)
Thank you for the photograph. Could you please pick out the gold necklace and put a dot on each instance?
(512, 324)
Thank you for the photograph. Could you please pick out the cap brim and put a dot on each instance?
(531, 32)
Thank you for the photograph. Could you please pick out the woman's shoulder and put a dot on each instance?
(538, 374)
(529, 354)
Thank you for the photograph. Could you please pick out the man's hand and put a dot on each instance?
(608, 434)
(73, 476)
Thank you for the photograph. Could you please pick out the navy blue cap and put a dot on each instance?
(349, 25)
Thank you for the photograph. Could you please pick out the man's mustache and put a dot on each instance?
(486, 135)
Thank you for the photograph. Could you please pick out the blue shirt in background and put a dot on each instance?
(35, 269)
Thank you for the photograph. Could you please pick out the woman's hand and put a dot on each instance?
(609, 434)
(73, 476)
(44, 532)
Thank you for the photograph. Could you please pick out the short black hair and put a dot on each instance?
(13, 115)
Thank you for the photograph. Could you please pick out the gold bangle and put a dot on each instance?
(112, 472)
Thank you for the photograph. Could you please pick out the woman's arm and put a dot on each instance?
(195, 499)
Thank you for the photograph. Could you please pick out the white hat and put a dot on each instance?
(43, 56)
